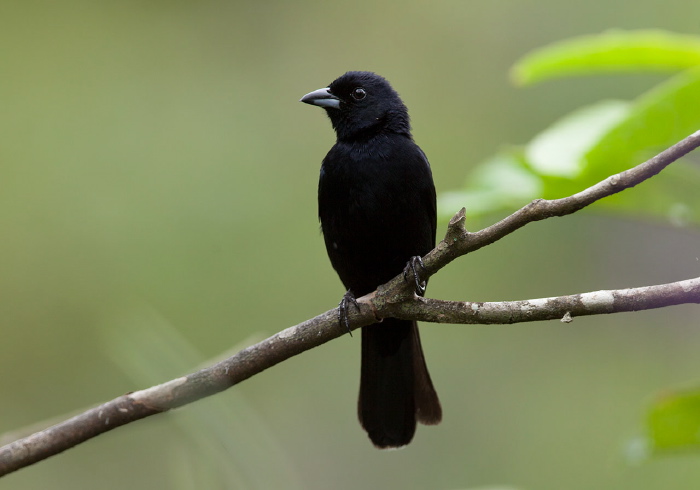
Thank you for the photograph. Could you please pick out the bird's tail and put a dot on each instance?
(395, 387)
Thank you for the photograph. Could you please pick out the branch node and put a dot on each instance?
(373, 307)
(567, 318)
(456, 228)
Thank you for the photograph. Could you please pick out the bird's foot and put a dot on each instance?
(412, 267)
(348, 298)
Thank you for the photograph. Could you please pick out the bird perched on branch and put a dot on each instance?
(376, 203)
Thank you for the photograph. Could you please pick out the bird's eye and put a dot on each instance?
(359, 93)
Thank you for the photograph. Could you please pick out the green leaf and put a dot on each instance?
(605, 138)
(559, 150)
(670, 197)
(619, 138)
(610, 52)
(501, 182)
(673, 421)
(658, 119)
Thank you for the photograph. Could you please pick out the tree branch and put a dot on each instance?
(397, 299)
(458, 241)
(561, 307)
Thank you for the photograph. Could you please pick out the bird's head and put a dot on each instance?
(360, 105)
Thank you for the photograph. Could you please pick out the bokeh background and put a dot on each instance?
(158, 208)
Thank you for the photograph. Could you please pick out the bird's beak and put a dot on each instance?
(322, 98)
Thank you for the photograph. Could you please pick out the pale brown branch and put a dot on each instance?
(459, 241)
(396, 298)
(556, 308)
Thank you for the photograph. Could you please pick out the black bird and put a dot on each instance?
(376, 203)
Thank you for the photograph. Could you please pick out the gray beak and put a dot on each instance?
(322, 98)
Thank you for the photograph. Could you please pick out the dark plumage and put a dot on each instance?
(377, 209)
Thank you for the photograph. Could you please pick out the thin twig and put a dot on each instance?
(459, 241)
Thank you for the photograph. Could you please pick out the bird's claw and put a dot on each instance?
(343, 319)
(411, 266)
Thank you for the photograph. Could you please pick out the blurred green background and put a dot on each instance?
(158, 207)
